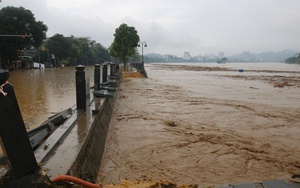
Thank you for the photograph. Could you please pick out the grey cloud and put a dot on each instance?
(175, 26)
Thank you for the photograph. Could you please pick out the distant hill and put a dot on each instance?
(294, 59)
(280, 56)
(276, 56)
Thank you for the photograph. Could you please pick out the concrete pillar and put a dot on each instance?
(104, 73)
(117, 67)
(80, 87)
(112, 69)
(14, 139)
(97, 77)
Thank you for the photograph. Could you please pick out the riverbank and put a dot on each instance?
(205, 126)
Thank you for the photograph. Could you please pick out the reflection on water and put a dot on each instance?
(41, 93)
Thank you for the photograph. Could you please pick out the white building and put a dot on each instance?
(186, 56)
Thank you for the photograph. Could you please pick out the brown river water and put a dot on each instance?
(206, 124)
(203, 123)
(43, 93)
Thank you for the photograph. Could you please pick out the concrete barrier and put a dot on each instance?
(76, 147)
(88, 160)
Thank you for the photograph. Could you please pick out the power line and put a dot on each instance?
(15, 35)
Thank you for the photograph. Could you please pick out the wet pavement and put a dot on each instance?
(61, 149)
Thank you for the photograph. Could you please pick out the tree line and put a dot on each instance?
(72, 51)
(21, 33)
(295, 59)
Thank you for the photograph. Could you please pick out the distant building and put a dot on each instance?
(166, 57)
(200, 58)
(186, 56)
(221, 55)
(87, 40)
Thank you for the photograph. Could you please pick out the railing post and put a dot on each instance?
(14, 139)
(80, 87)
(104, 73)
(117, 67)
(112, 69)
(97, 77)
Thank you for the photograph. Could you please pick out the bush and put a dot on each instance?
(65, 62)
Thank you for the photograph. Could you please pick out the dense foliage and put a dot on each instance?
(23, 40)
(294, 59)
(125, 42)
(76, 51)
(19, 30)
(59, 46)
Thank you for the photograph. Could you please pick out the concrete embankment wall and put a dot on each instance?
(88, 161)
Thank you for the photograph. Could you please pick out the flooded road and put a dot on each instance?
(206, 124)
(42, 93)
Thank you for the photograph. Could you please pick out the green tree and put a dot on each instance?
(124, 44)
(81, 51)
(76, 50)
(41, 56)
(86, 54)
(102, 53)
(19, 21)
(294, 59)
(223, 60)
(75, 53)
(136, 57)
(59, 46)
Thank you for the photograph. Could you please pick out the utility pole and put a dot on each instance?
(143, 44)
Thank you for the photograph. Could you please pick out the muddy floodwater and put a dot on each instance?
(206, 124)
(43, 93)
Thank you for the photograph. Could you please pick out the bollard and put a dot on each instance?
(80, 87)
(104, 73)
(87, 90)
(97, 77)
(14, 139)
(117, 67)
(112, 69)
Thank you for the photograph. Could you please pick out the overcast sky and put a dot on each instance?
(177, 26)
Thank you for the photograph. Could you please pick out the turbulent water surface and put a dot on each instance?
(206, 124)
(187, 123)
